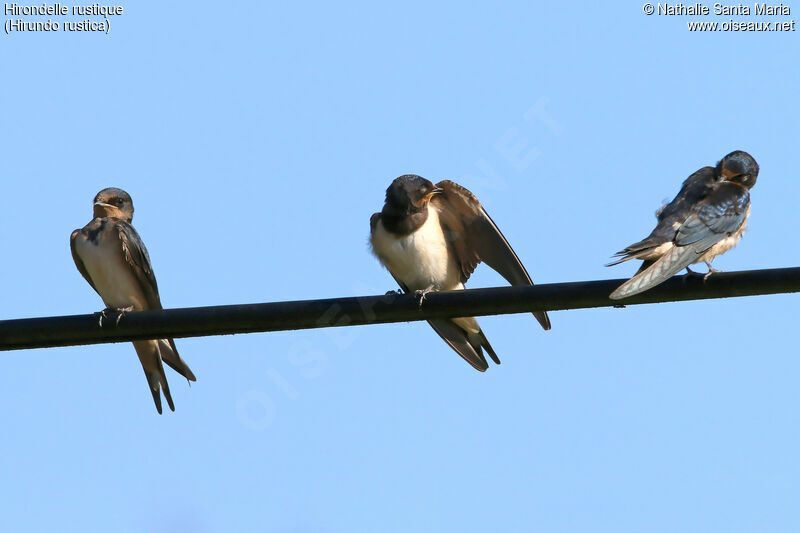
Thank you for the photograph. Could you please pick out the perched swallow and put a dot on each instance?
(706, 219)
(430, 238)
(112, 258)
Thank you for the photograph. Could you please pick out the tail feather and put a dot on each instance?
(543, 319)
(155, 391)
(675, 260)
(150, 358)
(165, 386)
(637, 250)
(169, 354)
(466, 338)
(479, 340)
(157, 382)
(459, 341)
(625, 257)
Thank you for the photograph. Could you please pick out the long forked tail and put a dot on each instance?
(466, 338)
(150, 357)
(479, 340)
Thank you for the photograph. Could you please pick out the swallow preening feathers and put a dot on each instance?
(706, 219)
(431, 237)
(113, 259)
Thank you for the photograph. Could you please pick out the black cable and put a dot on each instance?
(355, 311)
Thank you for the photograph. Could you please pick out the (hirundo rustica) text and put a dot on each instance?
(93, 18)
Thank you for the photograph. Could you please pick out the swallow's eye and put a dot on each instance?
(117, 202)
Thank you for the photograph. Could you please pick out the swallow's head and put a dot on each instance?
(738, 167)
(411, 192)
(114, 203)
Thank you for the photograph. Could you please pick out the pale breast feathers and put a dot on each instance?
(110, 274)
(420, 259)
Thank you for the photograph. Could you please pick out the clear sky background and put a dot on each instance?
(257, 138)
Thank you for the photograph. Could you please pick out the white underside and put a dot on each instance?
(421, 259)
(719, 249)
(110, 273)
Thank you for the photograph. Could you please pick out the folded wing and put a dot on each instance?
(78, 260)
(717, 217)
(138, 259)
(694, 189)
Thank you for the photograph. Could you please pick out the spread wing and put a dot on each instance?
(715, 218)
(138, 259)
(475, 238)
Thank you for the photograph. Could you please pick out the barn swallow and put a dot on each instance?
(706, 219)
(112, 258)
(430, 238)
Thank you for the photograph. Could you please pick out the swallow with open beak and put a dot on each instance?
(431, 238)
(112, 258)
(706, 219)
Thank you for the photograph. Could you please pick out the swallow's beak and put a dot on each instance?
(437, 190)
(727, 174)
(102, 209)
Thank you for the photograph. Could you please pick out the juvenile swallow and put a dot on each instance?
(110, 255)
(431, 238)
(706, 219)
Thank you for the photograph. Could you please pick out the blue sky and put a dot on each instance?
(257, 139)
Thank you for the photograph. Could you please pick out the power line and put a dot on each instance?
(354, 311)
